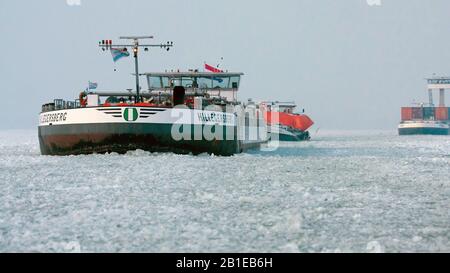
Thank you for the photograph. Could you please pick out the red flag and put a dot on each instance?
(212, 69)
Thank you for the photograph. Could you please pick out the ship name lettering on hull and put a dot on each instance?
(213, 117)
(54, 117)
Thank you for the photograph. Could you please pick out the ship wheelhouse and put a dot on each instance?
(222, 86)
(166, 90)
(283, 107)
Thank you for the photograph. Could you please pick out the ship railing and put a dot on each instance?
(59, 104)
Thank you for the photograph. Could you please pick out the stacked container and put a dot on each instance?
(442, 113)
(406, 113)
(417, 113)
(429, 113)
(426, 113)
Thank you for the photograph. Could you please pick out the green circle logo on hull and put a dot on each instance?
(130, 114)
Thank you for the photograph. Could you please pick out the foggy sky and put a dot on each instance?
(350, 65)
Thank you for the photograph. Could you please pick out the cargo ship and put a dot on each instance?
(182, 112)
(283, 123)
(427, 119)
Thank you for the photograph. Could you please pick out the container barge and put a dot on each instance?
(427, 119)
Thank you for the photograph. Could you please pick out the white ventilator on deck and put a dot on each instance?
(92, 100)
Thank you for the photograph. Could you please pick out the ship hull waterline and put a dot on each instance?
(287, 134)
(91, 138)
(122, 129)
(423, 131)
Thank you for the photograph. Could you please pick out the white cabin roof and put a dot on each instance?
(192, 74)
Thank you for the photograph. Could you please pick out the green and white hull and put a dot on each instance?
(423, 128)
(121, 129)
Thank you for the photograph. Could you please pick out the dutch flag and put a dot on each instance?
(212, 69)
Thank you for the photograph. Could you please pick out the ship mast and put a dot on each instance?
(108, 45)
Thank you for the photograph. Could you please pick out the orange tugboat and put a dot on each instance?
(284, 124)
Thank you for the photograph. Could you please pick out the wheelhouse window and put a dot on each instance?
(158, 82)
(213, 81)
(234, 82)
(155, 82)
(204, 82)
(221, 82)
(165, 82)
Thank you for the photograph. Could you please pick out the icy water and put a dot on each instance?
(341, 192)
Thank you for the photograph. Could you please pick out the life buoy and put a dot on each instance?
(83, 100)
(189, 101)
